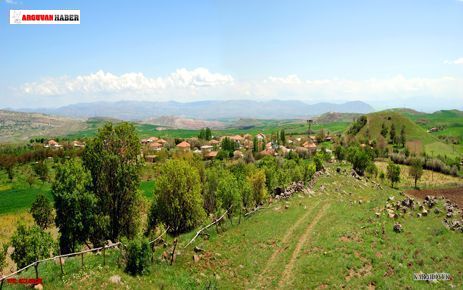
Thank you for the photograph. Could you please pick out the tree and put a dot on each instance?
(393, 173)
(255, 145)
(42, 211)
(208, 134)
(75, 205)
(41, 169)
(30, 244)
(339, 152)
(211, 202)
(202, 134)
(392, 134)
(177, 200)
(359, 159)
(112, 158)
(403, 139)
(8, 162)
(228, 191)
(257, 181)
(283, 136)
(30, 178)
(384, 130)
(318, 162)
(416, 170)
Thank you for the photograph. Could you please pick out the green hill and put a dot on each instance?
(418, 139)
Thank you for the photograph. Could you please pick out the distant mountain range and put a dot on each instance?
(210, 110)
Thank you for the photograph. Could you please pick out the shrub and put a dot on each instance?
(139, 256)
(318, 163)
(30, 244)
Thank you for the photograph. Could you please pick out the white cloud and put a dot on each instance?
(456, 61)
(11, 2)
(201, 84)
(105, 82)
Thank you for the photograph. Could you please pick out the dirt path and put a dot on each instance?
(287, 273)
(288, 235)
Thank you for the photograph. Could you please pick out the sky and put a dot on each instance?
(390, 53)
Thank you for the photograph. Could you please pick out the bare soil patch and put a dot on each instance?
(453, 194)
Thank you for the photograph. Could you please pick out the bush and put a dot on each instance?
(139, 256)
(30, 244)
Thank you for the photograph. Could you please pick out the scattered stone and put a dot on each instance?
(115, 279)
(38, 286)
(424, 212)
(398, 228)
(286, 206)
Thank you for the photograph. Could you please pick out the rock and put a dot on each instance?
(286, 206)
(398, 228)
(196, 258)
(424, 212)
(198, 249)
(390, 198)
(377, 214)
(436, 211)
(115, 279)
(449, 214)
(38, 286)
(338, 169)
(418, 215)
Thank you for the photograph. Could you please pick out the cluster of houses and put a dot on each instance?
(55, 145)
(210, 149)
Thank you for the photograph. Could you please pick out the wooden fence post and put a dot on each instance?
(104, 255)
(82, 257)
(173, 252)
(61, 264)
(1, 285)
(36, 266)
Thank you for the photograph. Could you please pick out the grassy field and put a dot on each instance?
(331, 239)
(296, 127)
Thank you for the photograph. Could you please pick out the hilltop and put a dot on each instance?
(418, 139)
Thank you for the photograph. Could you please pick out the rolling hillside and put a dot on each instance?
(18, 126)
(418, 139)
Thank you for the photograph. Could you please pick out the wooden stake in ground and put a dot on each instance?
(82, 258)
(173, 252)
(36, 266)
(104, 255)
(61, 264)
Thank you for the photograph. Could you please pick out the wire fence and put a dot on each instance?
(103, 248)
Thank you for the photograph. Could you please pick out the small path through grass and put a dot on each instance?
(286, 239)
(287, 273)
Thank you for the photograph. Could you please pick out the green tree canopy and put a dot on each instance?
(178, 202)
(30, 244)
(42, 211)
(75, 205)
(393, 173)
(114, 163)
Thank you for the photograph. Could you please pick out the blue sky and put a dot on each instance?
(387, 53)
